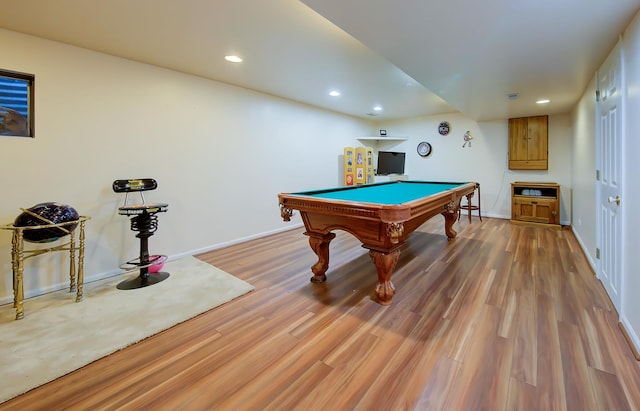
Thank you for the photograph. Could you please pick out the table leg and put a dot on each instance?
(449, 220)
(17, 257)
(14, 264)
(320, 245)
(479, 202)
(72, 261)
(80, 295)
(385, 263)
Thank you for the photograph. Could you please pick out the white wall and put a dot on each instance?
(583, 172)
(630, 315)
(220, 155)
(486, 161)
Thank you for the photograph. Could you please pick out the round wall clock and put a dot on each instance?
(424, 149)
(444, 128)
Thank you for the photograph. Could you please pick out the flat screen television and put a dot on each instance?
(390, 162)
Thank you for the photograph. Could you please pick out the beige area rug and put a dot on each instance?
(58, 335)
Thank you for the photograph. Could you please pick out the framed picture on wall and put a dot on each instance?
(16, 104)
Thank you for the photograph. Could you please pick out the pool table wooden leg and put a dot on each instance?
(449, 219)
(320, 245)
(385, 263)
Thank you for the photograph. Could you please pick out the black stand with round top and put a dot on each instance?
(144, 221)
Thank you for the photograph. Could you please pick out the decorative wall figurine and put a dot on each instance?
(467, 138)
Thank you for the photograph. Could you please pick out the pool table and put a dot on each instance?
(381, 216)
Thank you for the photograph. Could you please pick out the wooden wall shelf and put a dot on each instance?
(381, 138)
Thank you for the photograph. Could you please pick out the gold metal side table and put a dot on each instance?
(19, 255)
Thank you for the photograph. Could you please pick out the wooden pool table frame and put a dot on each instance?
(382, 228)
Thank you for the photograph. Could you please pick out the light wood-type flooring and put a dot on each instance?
(504, 317)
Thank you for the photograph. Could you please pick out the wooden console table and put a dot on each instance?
(19, 254)
(534, 203)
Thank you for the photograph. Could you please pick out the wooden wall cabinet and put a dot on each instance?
(535, 203)
(528, 143)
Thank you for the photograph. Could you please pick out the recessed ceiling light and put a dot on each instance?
(543, 101)
(334, 93)
(233, 59)
(377, 108)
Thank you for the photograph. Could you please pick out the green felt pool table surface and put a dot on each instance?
(397, 192)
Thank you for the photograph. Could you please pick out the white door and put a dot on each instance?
(609, 152)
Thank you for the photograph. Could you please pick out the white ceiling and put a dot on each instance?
(412, 57)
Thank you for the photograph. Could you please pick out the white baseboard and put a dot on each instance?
(632, 337)
(99, 276)
(60, 286)
(226, 244)
(590, 259)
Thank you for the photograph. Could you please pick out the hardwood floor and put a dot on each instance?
(504, 317)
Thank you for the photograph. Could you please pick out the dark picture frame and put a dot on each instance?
(16, 104)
